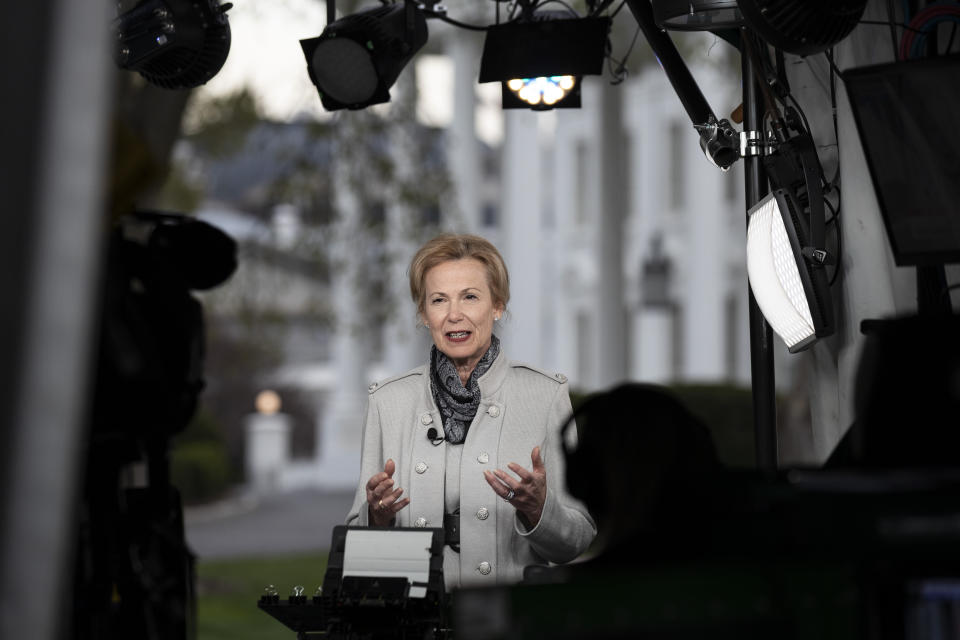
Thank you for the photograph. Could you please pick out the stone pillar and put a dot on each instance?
(704, 309)
(463, 148)
(267, 450)
(520, 328)
(339, 463)
(653, 328)
(403, 346)
(612, 316)
(286, 225)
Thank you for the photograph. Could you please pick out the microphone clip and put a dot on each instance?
(434, 437)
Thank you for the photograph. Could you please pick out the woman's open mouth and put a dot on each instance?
(458, 336)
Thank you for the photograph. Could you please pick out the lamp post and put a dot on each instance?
(267, 444)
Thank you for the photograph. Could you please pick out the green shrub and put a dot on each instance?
(200, 470)
(726, 409)
(199, 464)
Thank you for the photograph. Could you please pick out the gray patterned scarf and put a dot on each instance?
(458, 403)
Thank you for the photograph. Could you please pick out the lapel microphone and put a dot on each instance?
(434, 438)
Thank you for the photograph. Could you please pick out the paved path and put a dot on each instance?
(245, 525)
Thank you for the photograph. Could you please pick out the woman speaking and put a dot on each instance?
(470, 441)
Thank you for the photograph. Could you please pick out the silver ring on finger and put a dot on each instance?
(380, 505)
(510, 495)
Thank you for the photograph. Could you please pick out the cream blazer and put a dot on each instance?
(520, 407)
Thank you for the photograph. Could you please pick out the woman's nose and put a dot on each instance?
(455, 313)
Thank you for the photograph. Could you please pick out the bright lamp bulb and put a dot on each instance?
(548, 90)
(774, 274)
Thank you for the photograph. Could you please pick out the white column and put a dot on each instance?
(463, 148)
(653, 328)
(612, 313)
(403, 345)
(340, 448)
(521, 245)
(267, 450)
(564, 348)
(703, 297)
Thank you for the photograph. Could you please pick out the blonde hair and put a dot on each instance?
(459, 246)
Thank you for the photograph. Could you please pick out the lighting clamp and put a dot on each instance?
(719, 141)
(756, 143)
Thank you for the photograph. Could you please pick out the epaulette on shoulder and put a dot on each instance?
(556, 377)
(382, 383)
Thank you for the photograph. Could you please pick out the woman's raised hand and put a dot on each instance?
(383, 501)
(528, 493)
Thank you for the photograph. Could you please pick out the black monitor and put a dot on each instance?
(907, 116)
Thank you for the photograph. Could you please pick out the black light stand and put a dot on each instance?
(721, 145)
(761, 335)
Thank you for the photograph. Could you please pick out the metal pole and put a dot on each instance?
(761, 336)
(673, 65)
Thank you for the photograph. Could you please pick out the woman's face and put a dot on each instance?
(459, 310)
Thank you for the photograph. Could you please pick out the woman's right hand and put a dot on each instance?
(383, 501)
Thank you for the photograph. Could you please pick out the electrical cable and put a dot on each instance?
(920, 42)
(893, 31)
(619, 74)
(566, 6)
(902, 25)
(598, 9)
(443, 17)
(613, 14)
(946, 292)
(761, 67)
(833, 66)
(834, 219)
(833, 108)
(911, 43)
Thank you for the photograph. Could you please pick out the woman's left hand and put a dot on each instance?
(527, 494)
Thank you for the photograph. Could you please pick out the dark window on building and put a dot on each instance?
(581, 180)
(431, 215)
(731, 318)
(376, 214)
(678, 143)
(584, 348)
(676, 342)
(489, 215)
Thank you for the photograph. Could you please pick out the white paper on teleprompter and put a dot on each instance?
(389, 554)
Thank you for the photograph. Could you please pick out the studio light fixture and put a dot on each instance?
(173, 44)
(357, 58)
(539, 61)
(697, 15)
(802, 27)
(786, 273)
